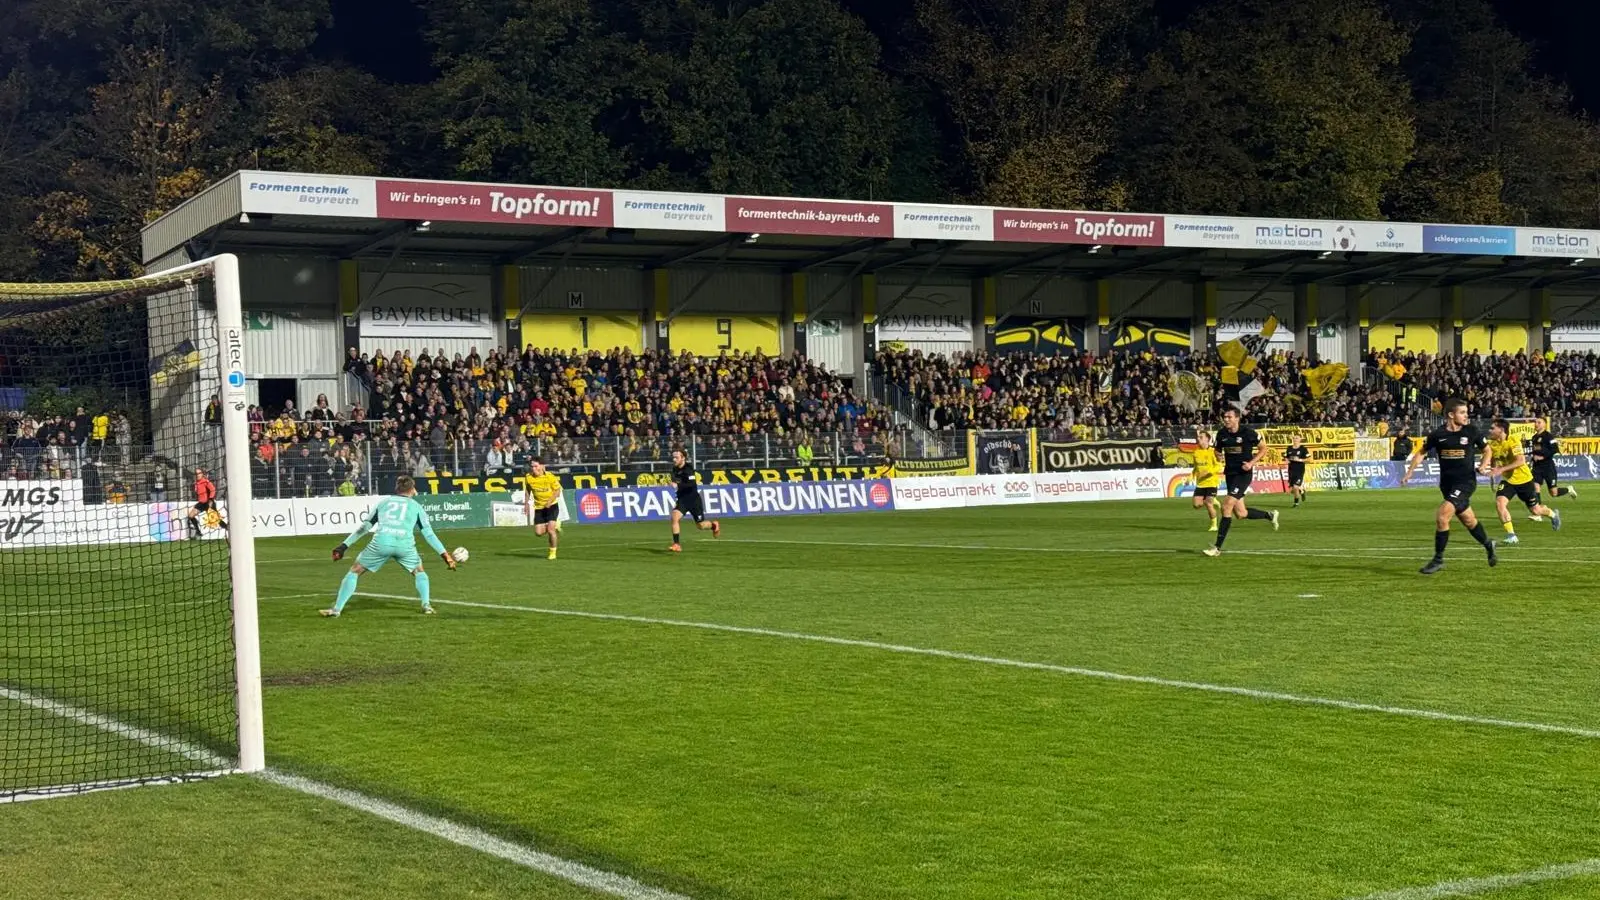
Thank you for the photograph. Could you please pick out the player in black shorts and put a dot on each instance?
(1461, 452)
(1542, 451)
(689, 501)
(1240, 447)
(1296, 456)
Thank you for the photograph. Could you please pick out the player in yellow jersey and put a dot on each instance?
(542, 500)
(1516, 479)
(1207, 472)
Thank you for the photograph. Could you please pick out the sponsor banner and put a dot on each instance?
(1051, 227)
(1049, 487)
(1099, 456)
(919, 468)
(513, 484)
(1292, 234)
(1027, 334)
(966, 223)
(736, 500)
(669, 212)
(308, 195)
(1186, 231)
(1001, 452)
(508, 204)
(417, 305)
(757, 215)
(930, 314)
(1480, 240)
(303, 516)
(1555, 242)
(1164, 337)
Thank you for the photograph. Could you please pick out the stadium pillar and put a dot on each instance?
(796, 308)
(1451, 323)
(1305, 321)
(1203, 333)
(508, 283)
(1539, 321)
(659, 336)
(350, 316)
(985, 297)
(1102, 301)
(866, 304)
(1363, 303)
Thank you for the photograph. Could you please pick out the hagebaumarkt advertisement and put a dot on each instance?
(505, 484)
(736, 500)
(1050, 487)
(1099, 456)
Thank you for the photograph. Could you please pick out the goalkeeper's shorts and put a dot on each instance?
(374, 557)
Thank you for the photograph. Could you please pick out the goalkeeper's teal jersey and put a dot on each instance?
(392, 522)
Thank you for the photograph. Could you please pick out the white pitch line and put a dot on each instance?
(460, 835)
(465, 836)
(1470, 887)
(1253, 693)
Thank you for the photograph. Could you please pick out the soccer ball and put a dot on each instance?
(460, 554)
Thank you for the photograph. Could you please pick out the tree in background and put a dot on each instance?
(1495, 143)
(1272, 107)
(1031, 89)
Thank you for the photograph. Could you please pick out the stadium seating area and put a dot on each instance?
(1129, 391)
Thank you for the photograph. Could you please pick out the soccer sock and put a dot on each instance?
(1222, 530)
(194, 526)
(1257, 514)
(1509, 527)
(675, 535)
(1478, 534)
(422, 589)
(347, 589)
(1440, 539)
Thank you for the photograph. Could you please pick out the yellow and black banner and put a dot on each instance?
(1325, 379)
(1327, 443)
(916, 468)
(504, 484)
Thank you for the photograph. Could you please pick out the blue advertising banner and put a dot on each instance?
(654, 504)
(1478, 240)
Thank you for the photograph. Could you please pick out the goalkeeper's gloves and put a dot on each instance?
(449, 561)
(338, 552)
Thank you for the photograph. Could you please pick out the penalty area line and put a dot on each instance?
(461, 835)
(1472, 887)
(1097, 674)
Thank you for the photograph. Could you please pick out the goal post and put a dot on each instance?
(129, 644)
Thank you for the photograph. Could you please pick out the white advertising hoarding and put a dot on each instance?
(308, 195)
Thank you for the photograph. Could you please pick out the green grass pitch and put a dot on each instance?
(735, 764)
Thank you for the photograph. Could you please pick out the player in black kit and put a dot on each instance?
(1542, 450)
(1462, 452)
(1240, 447)
(1296, 456)
(689, 502)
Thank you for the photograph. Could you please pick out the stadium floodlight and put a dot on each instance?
(129, 650)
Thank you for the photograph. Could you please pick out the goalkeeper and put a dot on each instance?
(392, 522)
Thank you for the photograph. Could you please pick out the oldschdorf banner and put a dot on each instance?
(919, 468)
(1099, 456)
(505, 484)
(653, 504)
(1001, 452)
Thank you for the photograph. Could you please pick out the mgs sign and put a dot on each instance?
(22, 508)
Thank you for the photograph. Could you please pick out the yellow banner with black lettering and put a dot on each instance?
(1327, 443)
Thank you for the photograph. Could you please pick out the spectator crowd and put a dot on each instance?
(1128, 392)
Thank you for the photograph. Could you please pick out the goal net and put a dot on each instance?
(127, 607)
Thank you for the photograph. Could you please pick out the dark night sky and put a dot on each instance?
(382, 35)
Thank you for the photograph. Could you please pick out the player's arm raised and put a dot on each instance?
(366, 525)
(426, 527)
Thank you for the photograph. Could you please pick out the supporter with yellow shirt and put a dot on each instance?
(1508, 463)
(1207, 474)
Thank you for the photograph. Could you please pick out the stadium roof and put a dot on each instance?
(356, 217)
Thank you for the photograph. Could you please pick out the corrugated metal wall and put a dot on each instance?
(280, 345)
(731, 290)
(602, 289)
(829, 344)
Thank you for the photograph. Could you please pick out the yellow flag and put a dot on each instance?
(1326, 378)
(1244, 352)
